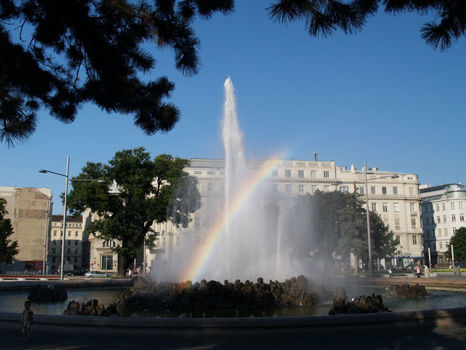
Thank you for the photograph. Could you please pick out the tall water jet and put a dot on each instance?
(245, 231)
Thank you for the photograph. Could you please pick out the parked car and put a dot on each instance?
(93, 274)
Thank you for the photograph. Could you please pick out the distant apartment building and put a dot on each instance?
(443, 212)
(393, 195)
(76, 253)
(29, 210)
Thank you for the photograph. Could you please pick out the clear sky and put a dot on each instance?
(381, 96)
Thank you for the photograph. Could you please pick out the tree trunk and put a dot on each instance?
(122, 265)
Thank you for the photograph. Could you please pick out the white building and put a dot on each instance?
(395, 196)
(443, 212)
(76, 243)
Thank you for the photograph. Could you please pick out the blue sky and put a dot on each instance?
(381, 96)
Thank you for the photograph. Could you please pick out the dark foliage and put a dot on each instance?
(8, 249)
(323, 17)
(142, 191)
(61, 54)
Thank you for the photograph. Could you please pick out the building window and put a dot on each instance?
(440, 245)
(438, 219)
(414, 239)
(107, 262)
(275, 172)
(76, 233)
(443, 206)
(287, 173)
(326, 174)
(68, 251)
(445, 232)
(385, 207)
(396, 207)
(300, 173)
(461, 217)
(412, 207)
(288, 188)
(372, 189)
(374, 206)
(413, 222)
(75, 242)
(301, 188)
(344, 189)
(397, 222)
(437, 207)
(275, 187)
(395, 190)
(452, 205)
(444, 219)
(314, 188)
(460, 205)
(53, 250)
(361, 189)
(313, 174)
(453, 218)
(54, 233)
(69, 233)
(384, 190)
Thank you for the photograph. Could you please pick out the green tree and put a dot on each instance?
(459, 245)
(142, 191)
(323, 17)
(338, 226)
(8, 249)
(61, 54)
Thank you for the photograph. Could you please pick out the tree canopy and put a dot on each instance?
(143, 191)
(61, 54)
(459, 245)
(324, 17)
(8, 248)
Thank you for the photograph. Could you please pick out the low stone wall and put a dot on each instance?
(456, 317)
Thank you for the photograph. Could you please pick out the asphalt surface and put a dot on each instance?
(428, 336)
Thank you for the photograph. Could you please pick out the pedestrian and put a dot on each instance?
(418, 271)
(390, 272)
(426, 271)
(27, 318)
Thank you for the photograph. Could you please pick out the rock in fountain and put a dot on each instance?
(407, 291)
(47, 293)
(178, 299)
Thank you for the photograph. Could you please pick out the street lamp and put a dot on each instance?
(62, 260)
(369, 248)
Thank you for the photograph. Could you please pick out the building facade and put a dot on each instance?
(29, 211)
(443, 212)
(76, 243)
(395, 196)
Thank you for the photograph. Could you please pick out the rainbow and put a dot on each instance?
(204, 252)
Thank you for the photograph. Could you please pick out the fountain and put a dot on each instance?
(245, 232)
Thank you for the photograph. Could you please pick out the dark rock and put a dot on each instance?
(45, 293)
(407, 291)
(360, 305)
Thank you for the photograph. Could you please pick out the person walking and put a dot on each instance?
(426, 271)
(418, 271)
(27, 318)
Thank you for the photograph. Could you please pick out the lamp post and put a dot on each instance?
(64, 212)
(369, 248)
(62, 260)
